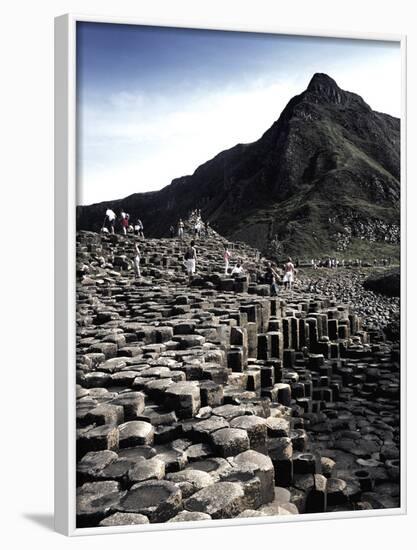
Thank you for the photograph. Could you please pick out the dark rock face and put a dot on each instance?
(387, 283)
(323, 178)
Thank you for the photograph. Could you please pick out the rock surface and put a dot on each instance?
(196, 402)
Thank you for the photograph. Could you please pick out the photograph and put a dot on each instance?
(238, 275)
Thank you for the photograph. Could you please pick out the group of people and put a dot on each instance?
(199, 228)
(126, 224)
(333, 263)
(327, 262)
(271, 275)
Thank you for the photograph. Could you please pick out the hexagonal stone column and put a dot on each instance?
(135, 432)
(133, 404)
(221, 500)
(230, 441)
(159, 501)
(97, 500)
(98, 439)
(190, 481)
(263, 468)
(184, 398)
(256, 429)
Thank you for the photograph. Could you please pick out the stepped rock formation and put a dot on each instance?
(324, 178)
(217, 400)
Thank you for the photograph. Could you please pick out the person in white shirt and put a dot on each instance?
(238, 269)
(110, 219)
(190, 259)
(289, 273)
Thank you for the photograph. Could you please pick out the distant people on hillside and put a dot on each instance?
(109, 220)
(172, 231)
(271, 277)
(226, 257)
(190, 259)
(289, 274)
(136, 261)
(197, 229)
(139, 228)
(180, 229)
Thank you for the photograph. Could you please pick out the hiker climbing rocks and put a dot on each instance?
(109, 220)
(180, 229)
(197, 229)
(124, 221)
(136, 261)
(139, 228)
(289, 273)
(271, 277)
(226, 257)
(190, 258)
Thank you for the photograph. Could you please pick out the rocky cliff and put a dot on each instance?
(325, 179)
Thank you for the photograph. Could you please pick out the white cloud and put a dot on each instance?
(142, 145)
(134, 142)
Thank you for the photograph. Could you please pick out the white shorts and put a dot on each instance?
(190, 266)
(288, 277)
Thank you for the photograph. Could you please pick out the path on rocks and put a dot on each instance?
(217, 400)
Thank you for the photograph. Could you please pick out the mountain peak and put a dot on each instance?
(322, 80)
(324, 86)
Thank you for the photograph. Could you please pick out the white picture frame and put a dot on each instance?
(65, 227)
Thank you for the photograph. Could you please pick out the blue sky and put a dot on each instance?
(154, 103)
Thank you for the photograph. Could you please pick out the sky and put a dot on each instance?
(154, 103)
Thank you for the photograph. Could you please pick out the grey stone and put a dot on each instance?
(135, 432)
(230, 441)
(120, 518)
(159, 501)
(221, 500)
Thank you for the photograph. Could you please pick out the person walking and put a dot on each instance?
(125, 222)
(289, 273)
(271, 277)
(180, 229)
(190, 260)
(136, 262)
(139, 228)
(109, 219)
